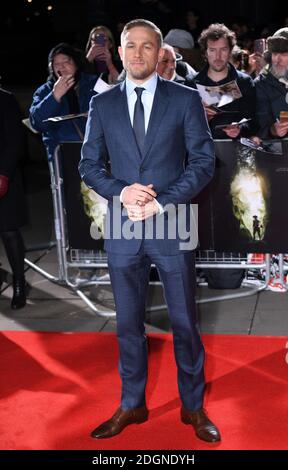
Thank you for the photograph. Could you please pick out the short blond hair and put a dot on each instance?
(144, 24)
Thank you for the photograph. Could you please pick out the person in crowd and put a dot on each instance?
(68, 90)
(245, 35)
(193, 24)
(101, 54)
(240, 59)
(272, 88)
(180, 39)
(217, 42)
(183, 43)
(161, 155)
(12, 206)
(167, 64)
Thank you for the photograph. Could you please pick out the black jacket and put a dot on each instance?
(271, 98)
(243, 107)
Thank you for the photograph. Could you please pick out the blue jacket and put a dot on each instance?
(45, 106)
(178, 157)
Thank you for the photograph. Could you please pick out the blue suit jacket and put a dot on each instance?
(178, 155)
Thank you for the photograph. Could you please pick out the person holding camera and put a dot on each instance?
(272, 88)
(101, 54)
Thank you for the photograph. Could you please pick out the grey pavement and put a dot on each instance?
(52, 307)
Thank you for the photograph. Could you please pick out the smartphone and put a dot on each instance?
(100, 39)
(101, 66)
(260, 46)
(283, 116)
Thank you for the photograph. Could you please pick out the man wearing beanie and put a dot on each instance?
(272, 88)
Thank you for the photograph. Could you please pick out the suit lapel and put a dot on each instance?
(160, 104)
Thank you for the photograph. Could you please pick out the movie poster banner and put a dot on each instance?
(243, 209)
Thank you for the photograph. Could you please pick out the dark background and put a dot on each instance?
(29, 30)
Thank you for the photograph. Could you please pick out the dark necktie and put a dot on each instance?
(138, 120)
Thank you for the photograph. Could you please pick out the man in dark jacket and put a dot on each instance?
(216, 43)
(272, 88)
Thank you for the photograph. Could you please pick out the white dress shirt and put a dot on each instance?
(147, 98)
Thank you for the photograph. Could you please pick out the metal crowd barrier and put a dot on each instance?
(70, 256)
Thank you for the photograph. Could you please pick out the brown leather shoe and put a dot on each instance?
(119, 421)
(204, 428)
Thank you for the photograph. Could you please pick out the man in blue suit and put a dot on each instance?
(154, 135)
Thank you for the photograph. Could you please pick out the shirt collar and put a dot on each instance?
(150, 85)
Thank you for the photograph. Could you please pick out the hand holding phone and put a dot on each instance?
(98, 52)
(100, 39)
(280, 127)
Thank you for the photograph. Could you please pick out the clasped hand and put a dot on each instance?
(139, 200)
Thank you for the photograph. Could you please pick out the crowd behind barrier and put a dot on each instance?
(76, 218)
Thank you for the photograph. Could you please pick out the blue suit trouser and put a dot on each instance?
(130, 278)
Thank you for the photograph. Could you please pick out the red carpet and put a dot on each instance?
(57, 387)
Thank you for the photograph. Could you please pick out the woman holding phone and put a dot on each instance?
(101, 54)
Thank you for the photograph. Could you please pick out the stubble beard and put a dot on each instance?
(138, 74)
(220, 68)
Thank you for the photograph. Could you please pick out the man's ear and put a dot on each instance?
(161, 54)
(120, 52)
